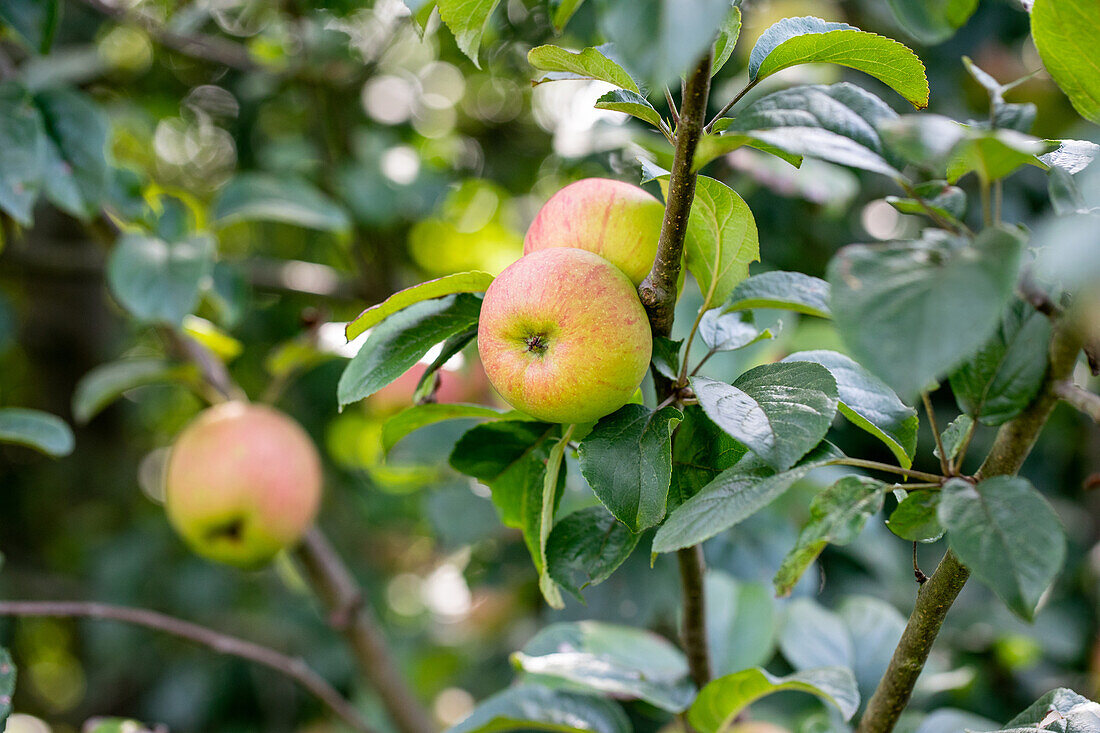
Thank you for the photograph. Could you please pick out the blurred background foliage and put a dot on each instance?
(344, 153)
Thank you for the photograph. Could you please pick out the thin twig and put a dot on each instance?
(987, 206)
(291, 667)
(207, 48)
(1080, 398)
(945, 462)
(350, 615)
(728, 107)
(939, 219)
(888, 468)
(672, 106)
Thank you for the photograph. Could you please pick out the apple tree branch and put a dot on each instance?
(292, 667)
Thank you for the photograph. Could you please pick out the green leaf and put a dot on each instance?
(666, 356)
(632, 103)
(730, 331)
(741, 622)
(779, 411)
(563, 12)
(915, 518)
(933, 21)
(992, 527)
(627, 459)
(702, 450)
(618, 661)
(398, 342)
(42, 431)
(813, 636)
(953, 436)
(816, 142)
(897, 305)
(589, 63)
(1065, 35)
(107, 382)
(869, 403)
(1060, 709)
(586, 547)
(994, 154)
(158, 281)
(289, 200)
(467, 19)
(791, 291)
(36, 22)
(810, 40)
(848, 112)
(712, 146)
(660, 40)
(721, 240)
(943, 199)
(22, 153)
(511, 458)
(728, 33)
(1003, 377)
(924, 139)
(837, 516)
(876, 628)
(550, 591)
(76, 175)
(721, 700)
(419, 416)
(733, 496)
(534, 707)
(462, 282)
(7, 684)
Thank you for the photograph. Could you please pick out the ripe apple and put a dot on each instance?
(242, 483)
(616, 220)
(563, 336)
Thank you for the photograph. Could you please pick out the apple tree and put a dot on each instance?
(633, 420)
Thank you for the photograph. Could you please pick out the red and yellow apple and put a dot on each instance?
(563, 336)
(616, 220)
(243, 482)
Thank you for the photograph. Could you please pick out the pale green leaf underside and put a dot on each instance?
(588, 63)
(721, 700)
(633, 104)
(35, 429)
(419, 416)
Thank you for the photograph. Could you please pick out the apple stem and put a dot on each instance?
(292, 667)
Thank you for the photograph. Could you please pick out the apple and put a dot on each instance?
(465, 384)
(563, 336)
(243, 482)
(616, 220)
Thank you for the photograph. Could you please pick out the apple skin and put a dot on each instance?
(616, 220)
(563, 336)
(243, 482)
